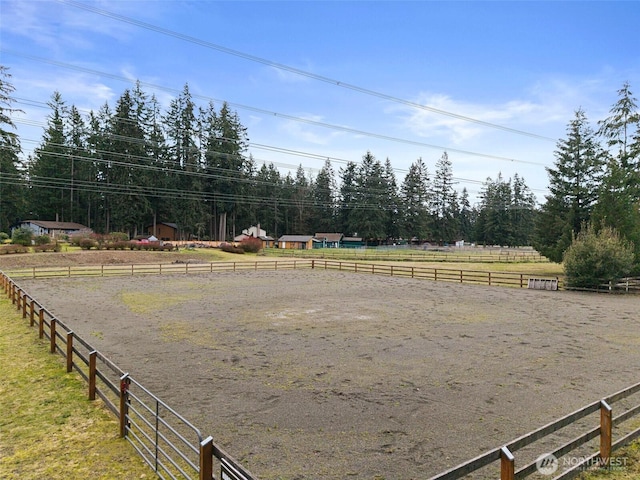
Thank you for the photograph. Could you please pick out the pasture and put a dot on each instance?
(324, 374)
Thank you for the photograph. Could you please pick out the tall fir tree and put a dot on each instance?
(416, 200)
(50, 168)
(12, 189)
(323, 214)
(443, 201)
(574, 182)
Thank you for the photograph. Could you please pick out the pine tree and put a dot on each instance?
(11, 178)
(323, 215)
(443, 201)
(494, 220)
(50, 168)
(574, 185)
(368, 215)
(416, 198)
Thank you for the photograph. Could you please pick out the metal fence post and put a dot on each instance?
(605, 433)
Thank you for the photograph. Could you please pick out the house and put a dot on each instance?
(256, 232)
(167, 232)
(52, 229)
(328, 240)
(299, 242)
(352, 242)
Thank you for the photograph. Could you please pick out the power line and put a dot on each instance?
(294, 70)
(277, 114)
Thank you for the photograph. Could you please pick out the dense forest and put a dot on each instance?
(134, 163)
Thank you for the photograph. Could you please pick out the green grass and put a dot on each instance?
(50, 430)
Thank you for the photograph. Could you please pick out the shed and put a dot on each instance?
(299, 242)
(328, 240)
(352, 242)
(167, 232)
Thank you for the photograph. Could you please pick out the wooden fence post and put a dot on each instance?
(24, 306)
(31, 315)
(605, 433)
(41, 323)
(507, 464)
(69, 352)
(92, 374)
(53, 335)
(206, 459)
(18, 299)
(125, 381)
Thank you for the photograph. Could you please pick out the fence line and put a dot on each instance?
(167, 442)
(476, 277)
(173, 447)
(602, 458)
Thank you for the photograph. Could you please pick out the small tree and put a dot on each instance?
(597, 257)
(22, 236)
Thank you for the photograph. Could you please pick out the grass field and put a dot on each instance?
(49, 428)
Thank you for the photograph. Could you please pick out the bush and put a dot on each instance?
(42, 240)
(87, 243)
(4, 237)
(595, 258)
(251, 245)
(22, 236)
(227, 247)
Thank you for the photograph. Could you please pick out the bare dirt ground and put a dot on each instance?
(328, 375)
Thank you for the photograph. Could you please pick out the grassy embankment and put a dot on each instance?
(49, 430)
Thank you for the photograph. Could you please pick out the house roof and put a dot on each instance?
(57, 225)
(352, 239)
(329, 237)
(295, 238)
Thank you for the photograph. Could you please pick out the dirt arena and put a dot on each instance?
(328, 375)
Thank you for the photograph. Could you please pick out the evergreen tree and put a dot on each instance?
(523, 212)
(347, 198)
(620, 130)
(50, 168)
(494, 219)
(269, 190)
(323, 214)
(465, 218)
(415, 195)
(574, 185)
(392, 201)
(11, 180)
(301, 201)
(129, 190)
(368, 215)
(443, 201)
(182, 134)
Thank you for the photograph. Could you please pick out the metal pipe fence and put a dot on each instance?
(167, 442)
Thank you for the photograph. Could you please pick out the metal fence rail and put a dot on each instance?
(167, 442)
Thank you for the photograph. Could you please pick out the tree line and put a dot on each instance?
(594, 184)
(133, 164)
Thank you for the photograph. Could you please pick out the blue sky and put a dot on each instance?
(525, 66)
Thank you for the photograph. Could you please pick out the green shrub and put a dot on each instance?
(251, 245)
(4, 236)
(42, 240)
(595, 258)
(22, 236)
